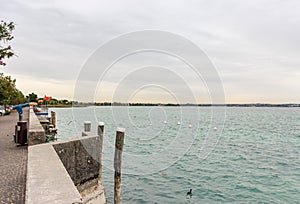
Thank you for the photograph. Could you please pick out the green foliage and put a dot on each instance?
(32, 97)
(9, 94)
(66, 102)
(53, 101)
(6, 36)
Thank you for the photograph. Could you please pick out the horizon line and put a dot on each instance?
(188, 104)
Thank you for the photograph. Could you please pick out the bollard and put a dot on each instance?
(53, 119)
(87, 126)
(100, 134)
(117, 164)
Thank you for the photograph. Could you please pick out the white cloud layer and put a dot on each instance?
(255, 45)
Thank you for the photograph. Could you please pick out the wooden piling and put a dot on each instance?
(53, 119)
(87, 126)
(100, 134)
(117, 164)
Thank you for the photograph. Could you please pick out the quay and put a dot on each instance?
(68, 171)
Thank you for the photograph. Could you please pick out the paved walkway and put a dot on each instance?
(13, 162)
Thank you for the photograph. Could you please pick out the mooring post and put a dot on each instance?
(117, 164)
(53, 119)
(100, 134)
(87, 126)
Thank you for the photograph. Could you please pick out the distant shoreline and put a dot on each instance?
(59, 106)
(183, 105)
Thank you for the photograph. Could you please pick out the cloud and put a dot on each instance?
(254, 44)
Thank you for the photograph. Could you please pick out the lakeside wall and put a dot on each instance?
(64, 171)
(36, 133)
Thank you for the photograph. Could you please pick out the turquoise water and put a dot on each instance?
(255, 159)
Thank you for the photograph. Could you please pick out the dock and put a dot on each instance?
(68, 171)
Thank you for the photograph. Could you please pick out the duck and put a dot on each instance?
(189, 193)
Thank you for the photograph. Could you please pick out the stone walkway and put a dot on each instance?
(13, 162)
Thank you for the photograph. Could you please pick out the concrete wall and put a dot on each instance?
(47, 179)
(65, 172)
(36, 133)
(80, 158)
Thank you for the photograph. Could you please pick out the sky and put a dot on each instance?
(254, 47)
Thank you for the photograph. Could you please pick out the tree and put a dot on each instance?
(9, 94)
(65, 101)
(6, 36)
(32, 97)
(53, 101)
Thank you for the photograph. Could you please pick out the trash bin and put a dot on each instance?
(21, 134)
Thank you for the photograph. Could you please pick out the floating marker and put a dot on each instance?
(190, 126)
(178, 123)
(165, 122)
(215, 128)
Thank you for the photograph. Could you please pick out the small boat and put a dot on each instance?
(40, 111)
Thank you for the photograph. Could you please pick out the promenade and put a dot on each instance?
(13, 162)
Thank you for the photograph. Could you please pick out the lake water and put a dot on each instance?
(252, 157)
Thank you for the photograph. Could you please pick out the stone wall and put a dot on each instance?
(36, 133)
(47, 179)
(65, 172)
(80, 158)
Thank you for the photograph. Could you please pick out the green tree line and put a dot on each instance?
(9, 94)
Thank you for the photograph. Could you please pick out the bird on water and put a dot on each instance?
(189, 193)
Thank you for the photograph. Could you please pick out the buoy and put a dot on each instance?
(165, 122)
(178, 123)
(215, 128)
(190, 126)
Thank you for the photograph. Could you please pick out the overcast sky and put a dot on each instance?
(254, 45)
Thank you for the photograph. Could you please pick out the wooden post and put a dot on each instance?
(53, 119)
(87, 126)
(100, 133)
(117, 165)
